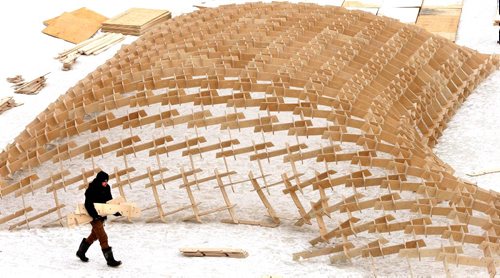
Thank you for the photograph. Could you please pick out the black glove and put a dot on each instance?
(100, 218)
(117, 214)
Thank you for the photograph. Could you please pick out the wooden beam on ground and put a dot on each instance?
(214, 252)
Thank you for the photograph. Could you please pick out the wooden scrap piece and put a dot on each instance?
(32, 87)
(15, 79)
(214, 252)
(7, 103)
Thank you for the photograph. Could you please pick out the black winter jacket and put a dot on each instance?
(96, 193)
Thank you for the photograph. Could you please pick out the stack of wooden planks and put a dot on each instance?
(135, 21)
(214, 252)
(91, 46)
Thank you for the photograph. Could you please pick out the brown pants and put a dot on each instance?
(98, 233)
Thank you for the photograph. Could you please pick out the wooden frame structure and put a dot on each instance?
(368, 98)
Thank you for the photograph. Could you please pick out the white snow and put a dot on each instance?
(470, 143)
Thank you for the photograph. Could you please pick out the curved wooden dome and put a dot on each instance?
(333, 110)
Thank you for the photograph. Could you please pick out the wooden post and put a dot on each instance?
(230, 207)
(156, 196)
(263, 198)
(194, 206)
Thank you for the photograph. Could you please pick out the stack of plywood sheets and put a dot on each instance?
(135, 21)
(441, 17)
(405, 11)
(75, 26)
(369, 6)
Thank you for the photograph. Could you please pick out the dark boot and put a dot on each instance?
(108, 255)
(84, 246)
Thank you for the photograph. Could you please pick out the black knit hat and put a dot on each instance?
(102, 176)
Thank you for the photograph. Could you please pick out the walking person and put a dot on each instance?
(99, 191)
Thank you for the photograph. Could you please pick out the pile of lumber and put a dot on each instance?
(7, 103)
(91, 46)
(135, 21)
(16, 79)
(29, 88)
(75, 26)
(214, 252)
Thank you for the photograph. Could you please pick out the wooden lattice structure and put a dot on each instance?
(344, 107)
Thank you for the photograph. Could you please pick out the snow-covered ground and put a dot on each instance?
(469, 144)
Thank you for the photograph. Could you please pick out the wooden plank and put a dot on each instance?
(177, 146)
(206, 179)
(214, 252)
(41, 183)
(263, 198)
(145, 146)
(215, 120)
(252, 148)
(33, 218)
(206, 212)
(72, 180)
(217, 146)
(248, 123)
(111, 147)
(269, 154)
(304, 184)
(311, 154)
(18, 185)
(429, 252)
(355, 252)
(15, 215)
(378, 252)
(183, 119)
(323, 251)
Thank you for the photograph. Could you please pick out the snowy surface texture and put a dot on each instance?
(469, 144)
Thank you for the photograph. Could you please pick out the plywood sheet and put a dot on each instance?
(83, 13)
(362, 3)
(72, 28)
(402, 3)
(443, 22)
(405, 15)
(337, 3)
(135, 21)
(450, 4)
(368, 10)
(136, 17)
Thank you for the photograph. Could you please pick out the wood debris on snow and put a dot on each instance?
(93, 46)
(32, 87)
